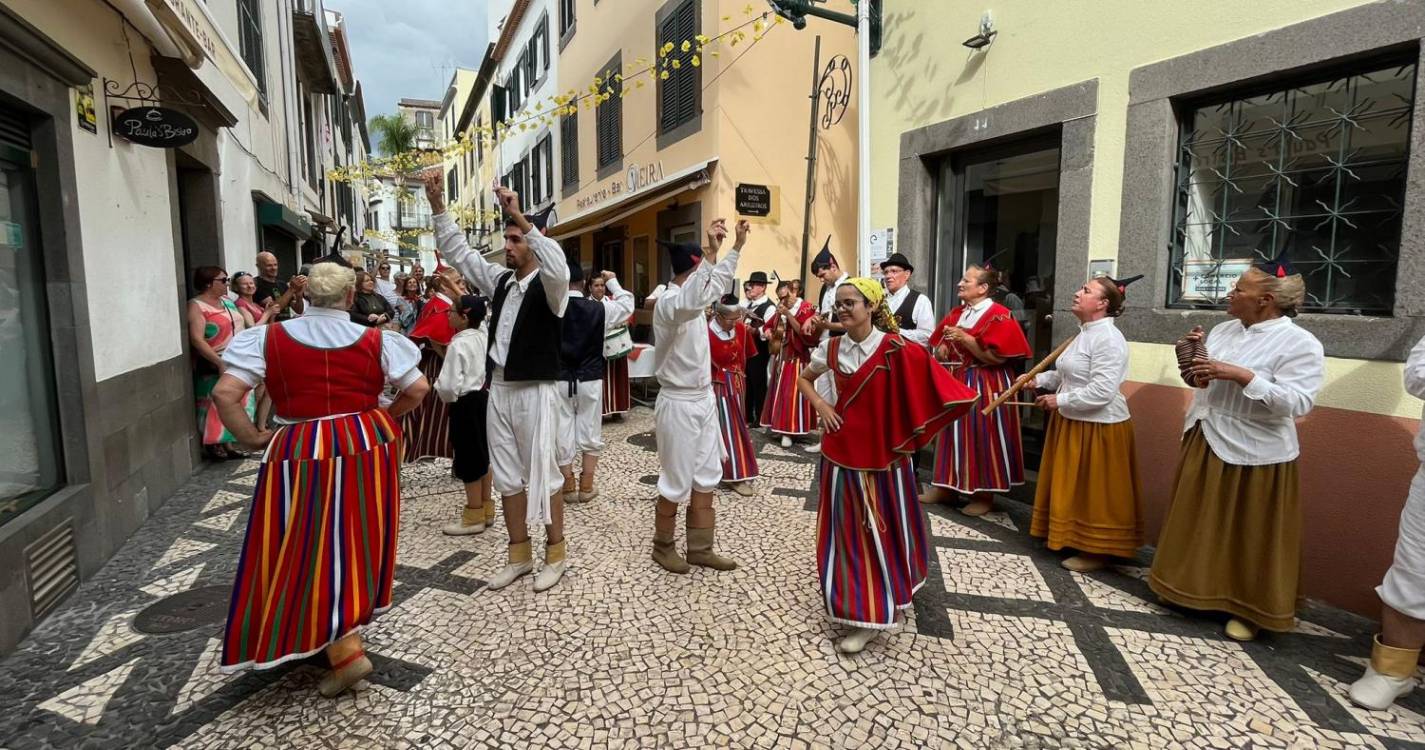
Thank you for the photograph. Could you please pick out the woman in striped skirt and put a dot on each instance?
(731, 345)
(427, 427)
(872, 545)
(786, 411)
(982, 345)
(319, 558)
(617, 397)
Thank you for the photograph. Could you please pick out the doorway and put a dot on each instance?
(1000, 206)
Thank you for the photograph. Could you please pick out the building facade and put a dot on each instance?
(103, 233)
(661, 157)
(1184, 143)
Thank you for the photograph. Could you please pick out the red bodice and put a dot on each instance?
(308, 382)
(794, 343)
(433, 323)
(893, 405)
(731, 355)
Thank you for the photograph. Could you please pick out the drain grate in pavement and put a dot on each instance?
(185, 611)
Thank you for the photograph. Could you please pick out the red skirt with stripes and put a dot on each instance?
(319, 558)
(616, 394)
(872, 550)
(427, 427)
(980, 453)
(740, 463)
(786, 411)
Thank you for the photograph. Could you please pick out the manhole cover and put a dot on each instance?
(185, 611)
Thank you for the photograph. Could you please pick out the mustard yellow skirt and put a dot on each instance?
(1232, 539)
(1089, 497)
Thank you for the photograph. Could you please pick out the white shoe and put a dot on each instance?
(857, 640)
(508, 574)
(786, 442)
(549, 575)
(472, 521)
(1377, 691)
(742, 488)
(814, 448)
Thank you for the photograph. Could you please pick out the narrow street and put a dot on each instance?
(1006, 649)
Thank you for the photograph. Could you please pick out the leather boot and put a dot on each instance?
(491, 512)
(1390, 675)
(521, 562)
(665, 553)
(553, 568)
(472, 521)
(344, 675)
(700, 551)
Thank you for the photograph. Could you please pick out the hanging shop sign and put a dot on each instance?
(156, 127)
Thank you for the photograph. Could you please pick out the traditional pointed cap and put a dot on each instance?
(540, 219)
(1122, 284)
(682, 255)
(824, 258)
(727, 300)
(1279, 267)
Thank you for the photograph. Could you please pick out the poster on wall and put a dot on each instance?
(84, 107)
(1208, 280)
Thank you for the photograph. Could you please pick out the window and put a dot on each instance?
(569, 156)
(1315, 172)
(514, 92)
(608, 116)
(250, 42)
(452, 185)
(499, 106)
(309, 132)
(541, 171)
(415, 213)
(537, 64)
(566, 21)
(679, 97)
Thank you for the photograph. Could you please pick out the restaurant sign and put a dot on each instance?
(637, 178)
(156, 127)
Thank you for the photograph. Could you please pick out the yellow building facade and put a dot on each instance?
(1180, 141)
(646, 164)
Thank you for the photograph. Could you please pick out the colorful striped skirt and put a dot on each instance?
(872, 550)
(980, 453)
(210, 425)
(427, 427)
(740, 463)
(319, 558)
(786, 411)
(616, 394)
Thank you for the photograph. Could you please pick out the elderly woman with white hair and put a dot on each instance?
(319, 558)
(1232, 539)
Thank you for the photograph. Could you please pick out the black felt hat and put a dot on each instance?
(757, 277)
(897, 261)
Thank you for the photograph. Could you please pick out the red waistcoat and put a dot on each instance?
(731, 355)
(308, 382)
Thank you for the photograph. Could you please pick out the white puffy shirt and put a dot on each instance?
(681, 357)
(1415, 386)
(463, 370)
(922, 322)
(1256, 425)
(1088, 375)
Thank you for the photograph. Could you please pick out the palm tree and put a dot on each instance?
(397, 135)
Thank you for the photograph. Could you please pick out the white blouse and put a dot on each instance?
(1088, 375)
(463, 370)
(682, 359)
(1415, 386)
(849, 358)
(1256, 425)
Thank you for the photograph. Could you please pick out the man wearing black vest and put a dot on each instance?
(528, 304)
(761, 308)
(581, 377)
(912, 310)
(826, 268)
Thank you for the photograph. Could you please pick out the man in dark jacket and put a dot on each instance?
(759, 308)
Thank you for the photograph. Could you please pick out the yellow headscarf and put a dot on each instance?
(875, 295)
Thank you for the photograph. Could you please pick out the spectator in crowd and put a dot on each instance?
(408, 308)
(370, 308)
(385, 287)
(213, 320)
(270, 288)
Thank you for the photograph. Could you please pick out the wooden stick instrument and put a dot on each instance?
(1028, 376)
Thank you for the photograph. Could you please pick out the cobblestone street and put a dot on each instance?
(1005, 649)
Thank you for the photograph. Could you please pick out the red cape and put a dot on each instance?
(894, 405)
(996, 331)
(433, 323)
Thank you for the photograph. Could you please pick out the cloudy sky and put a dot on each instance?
(409, 48)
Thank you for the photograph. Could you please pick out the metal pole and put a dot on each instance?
(863, 116)
(811, 157)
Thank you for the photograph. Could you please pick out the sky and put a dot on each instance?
(409, 48)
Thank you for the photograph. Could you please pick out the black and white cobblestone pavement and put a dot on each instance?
(1005, 648)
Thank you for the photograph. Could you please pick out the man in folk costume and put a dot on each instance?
(581, 376)
(983, 346)
(1396, 650)
(914, 314)
(827, 268)
(733, 345)
(759, 309)
(685, 415)
(528, 303)
(873, 551)
(318, 561)
(786, 412)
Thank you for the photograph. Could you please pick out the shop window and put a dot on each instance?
(1315, 171)
(679, 97)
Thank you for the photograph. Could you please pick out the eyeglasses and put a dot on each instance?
(845, 304)
(221, 279)
(383, 268)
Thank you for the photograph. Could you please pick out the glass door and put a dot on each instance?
(1000, 207)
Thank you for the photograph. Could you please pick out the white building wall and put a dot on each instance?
(517, 144)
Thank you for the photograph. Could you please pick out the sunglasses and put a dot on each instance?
(221, 279)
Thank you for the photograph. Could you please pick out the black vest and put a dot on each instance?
(825, 290)
(906, 312)
(534, 342)
(762, 310)
(581, 357)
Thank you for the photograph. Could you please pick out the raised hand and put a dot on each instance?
(434, 183)
(509, 200)
(743, 228)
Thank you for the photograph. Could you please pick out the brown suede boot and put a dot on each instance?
(665, 553)
(700, 551)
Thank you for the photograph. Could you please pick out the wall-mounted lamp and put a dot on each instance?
(985, 37)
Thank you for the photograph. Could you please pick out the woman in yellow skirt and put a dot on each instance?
(1088, 498)
(1232, 539)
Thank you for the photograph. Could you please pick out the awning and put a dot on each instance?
(313, 47)
(284, 220)
(692, 178)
